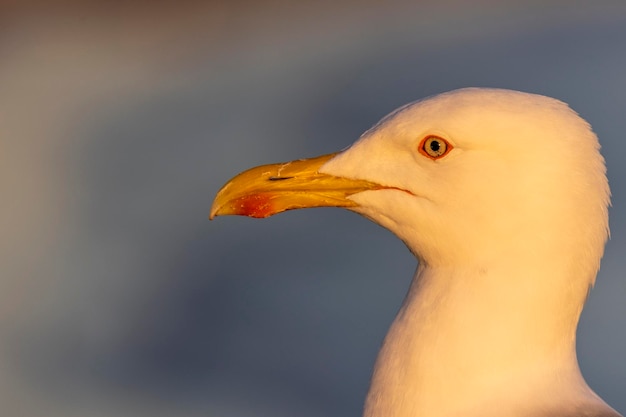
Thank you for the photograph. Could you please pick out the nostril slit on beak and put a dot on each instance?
(279, 178)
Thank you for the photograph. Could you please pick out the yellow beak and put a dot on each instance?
(270, 189)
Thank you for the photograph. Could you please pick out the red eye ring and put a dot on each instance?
(434, 147)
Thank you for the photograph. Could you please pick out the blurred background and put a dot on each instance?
(119, 121)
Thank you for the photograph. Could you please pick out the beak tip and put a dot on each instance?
(215, 211)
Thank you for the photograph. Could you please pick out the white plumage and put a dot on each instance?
(506, 212)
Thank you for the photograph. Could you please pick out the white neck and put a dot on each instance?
(474, 339)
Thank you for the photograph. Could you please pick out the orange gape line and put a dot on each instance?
(256, 205)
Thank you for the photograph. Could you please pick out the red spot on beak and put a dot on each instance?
(256, 205)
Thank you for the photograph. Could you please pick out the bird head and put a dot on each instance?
(472, 175)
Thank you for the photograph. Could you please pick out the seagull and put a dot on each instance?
(502, 197)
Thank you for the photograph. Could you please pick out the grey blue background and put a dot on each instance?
(119, 121)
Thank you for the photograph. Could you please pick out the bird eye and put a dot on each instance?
(434, 147)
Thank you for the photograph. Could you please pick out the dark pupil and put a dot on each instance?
(435, 145)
